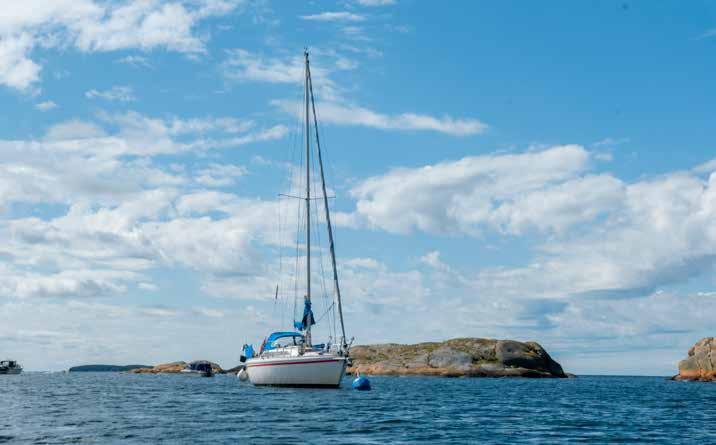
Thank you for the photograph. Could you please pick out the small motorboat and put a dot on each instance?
(199, 368)
(10, 367)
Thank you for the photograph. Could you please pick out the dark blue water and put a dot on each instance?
(125, 408)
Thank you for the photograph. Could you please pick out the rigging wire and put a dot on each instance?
(300, 220)
(320, 244)
(283, 300)
(284, 282)
(330, 168)
(323, 203)
(326, 312)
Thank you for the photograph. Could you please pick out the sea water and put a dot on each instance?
(127, 408)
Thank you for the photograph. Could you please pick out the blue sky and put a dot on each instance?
(528, 171)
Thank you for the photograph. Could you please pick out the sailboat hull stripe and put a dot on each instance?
(304, 362)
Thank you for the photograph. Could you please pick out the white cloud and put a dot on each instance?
(352, 115)
(639, 237)
(356, 33)
(144, 135)
(203, 202)
(446, 304)
(77, 283)
(208, 124)
(136, 61)
(605, 238)
(707, 34)
(114, 94)
(344, 63)
(365, 50)
(706, 167)
(662, 326)
(242, 65)
(50, 335)
(74, 129)
(611, 142)
(94, 26)
(46, 105)
(589, 287)
(368, 263)
(340, 114)
(558, 207)
(501, 191)
(150, 287)
(574, 330)
(142, 25)
(16, 69)
(220, 175)
(342, 16)
(211, 313)
(662, 233)
(347, 219)
(268, 134)
(433, 260)
(97, 249)
(79, 160)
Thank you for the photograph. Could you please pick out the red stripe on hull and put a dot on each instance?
(305, 362)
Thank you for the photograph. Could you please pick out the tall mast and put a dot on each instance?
(308, 206)
(328, 215)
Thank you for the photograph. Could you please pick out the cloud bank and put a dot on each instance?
(92, 26)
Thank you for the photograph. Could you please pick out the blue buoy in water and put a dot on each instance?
(361, 383)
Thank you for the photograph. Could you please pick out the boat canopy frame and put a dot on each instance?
(279, 335)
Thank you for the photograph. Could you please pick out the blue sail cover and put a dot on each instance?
(307, 320)
(248, 351)
(277, 336)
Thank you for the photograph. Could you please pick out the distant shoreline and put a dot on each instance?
(106, 368)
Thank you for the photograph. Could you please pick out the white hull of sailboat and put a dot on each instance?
(307, 370)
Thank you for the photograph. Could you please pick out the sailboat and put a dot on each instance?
(291, 358)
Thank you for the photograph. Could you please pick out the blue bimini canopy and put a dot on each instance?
(279, 335)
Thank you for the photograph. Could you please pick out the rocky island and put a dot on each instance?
(459, 357)
(700, 365)
(173, 368)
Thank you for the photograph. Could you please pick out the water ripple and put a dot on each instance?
(126, 408)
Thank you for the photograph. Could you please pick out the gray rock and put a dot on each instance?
(701, 363)
(450, 358)
(421, 361)
(476, 357)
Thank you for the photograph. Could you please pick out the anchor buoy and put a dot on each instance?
(361, 383)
